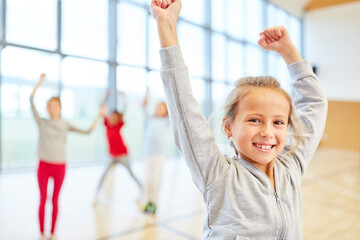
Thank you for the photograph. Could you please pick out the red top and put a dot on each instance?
(116, 143)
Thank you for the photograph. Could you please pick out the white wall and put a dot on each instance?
(332, 43)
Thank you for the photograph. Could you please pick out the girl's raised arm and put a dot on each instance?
(309, 100)
(33, 108)
(191, 131)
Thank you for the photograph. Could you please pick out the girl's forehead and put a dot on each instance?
(264, 101)
(265, 94)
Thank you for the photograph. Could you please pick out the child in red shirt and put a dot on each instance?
(117, 148)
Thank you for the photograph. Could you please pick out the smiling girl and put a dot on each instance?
(256, 194)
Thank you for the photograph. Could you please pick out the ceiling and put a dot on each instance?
(298, 7)
(309, 5)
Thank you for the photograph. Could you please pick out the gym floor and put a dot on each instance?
(331, 203)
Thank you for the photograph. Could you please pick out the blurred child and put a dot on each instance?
(155, 152)
(51, 152)
(257, 193)
(117, 147)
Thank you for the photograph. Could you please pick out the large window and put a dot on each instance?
(18, 129)
(131, 34)
(85, 28)
(31, 23)
(86, 47)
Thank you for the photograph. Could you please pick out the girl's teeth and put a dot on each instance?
(263, 146)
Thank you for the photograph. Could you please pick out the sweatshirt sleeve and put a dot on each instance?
(37, 117)
(191, 131)
(78, 130)
(311, 107)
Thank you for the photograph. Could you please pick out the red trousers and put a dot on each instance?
(45, 171)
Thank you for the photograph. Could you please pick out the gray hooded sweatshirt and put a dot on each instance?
(241, 202)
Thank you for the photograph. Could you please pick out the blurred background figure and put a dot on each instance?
(156, 128)
(51, 153)
(117, 148)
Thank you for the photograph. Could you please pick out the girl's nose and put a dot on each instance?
(266, 131)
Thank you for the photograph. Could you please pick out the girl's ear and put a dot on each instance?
(227, 127)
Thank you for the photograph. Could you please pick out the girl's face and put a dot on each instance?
(54, 109)
(260, 126)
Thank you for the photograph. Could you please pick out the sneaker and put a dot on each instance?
(150, 208)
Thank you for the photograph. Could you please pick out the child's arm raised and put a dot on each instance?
(309, 100)
(166, 12)
(41, 80)
(191, 131)
(277, 39)
(33, 108)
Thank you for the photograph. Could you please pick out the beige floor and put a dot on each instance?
(331, 202)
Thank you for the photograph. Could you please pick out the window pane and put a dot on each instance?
(276, 16)
(84, 88)
(254, 19)
(79, 72)
(220, 92)
(218, 57)
(18, 126)
(199, 90)
(82, 77)
(80, 107)
(85, 28)
(218, 15)
(271, 15)
(131, 37)
(32, 23)
(235, 61)
(278, 69)
(17, 85)
(132, 81)
(254, 61)
(17, 123)
(142, 1)
(156, 85)
(295, 31)
(31, 63)
(235, 18)
(19, 139)
(193, 47)
(194, 11)
(282, 17)
(1, 17)
(154, 45)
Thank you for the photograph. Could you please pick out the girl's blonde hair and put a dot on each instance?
(242, 87)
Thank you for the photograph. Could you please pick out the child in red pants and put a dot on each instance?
(51, 151)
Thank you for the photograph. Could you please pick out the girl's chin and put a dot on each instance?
(258, 160)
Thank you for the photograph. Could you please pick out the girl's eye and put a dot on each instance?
(279, 122)
(254, 120)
